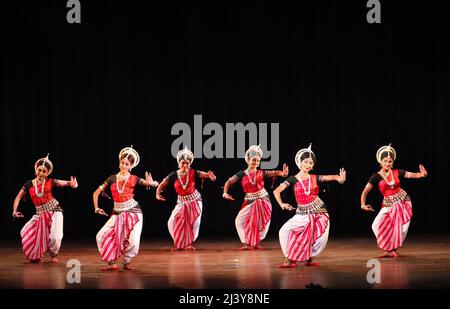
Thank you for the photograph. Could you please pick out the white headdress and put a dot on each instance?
(391, 152)
(45, 160)
(300, 153)
(185, 154)
(129, 151)
(253, 151)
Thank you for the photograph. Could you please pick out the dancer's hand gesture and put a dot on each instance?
(227, 197)
(285, 170)
(423, 171)
(342, 175)
(73, 182)
(286, 206)
(367, 208)
(212, 176)
(17, 214)
(100, 212)
(149, 178)
(159, 197)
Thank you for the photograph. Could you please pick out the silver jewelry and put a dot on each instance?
(307, 192)
(389, 183)
(253, 182)
(36, 188)
(183, 185)
(124, 184)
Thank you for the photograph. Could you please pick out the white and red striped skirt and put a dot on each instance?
(304, 236)
(391, 225)
(37, 235)
(115, 235)
(253, 221)
(184, 222)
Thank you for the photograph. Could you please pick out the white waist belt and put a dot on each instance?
(125, 206)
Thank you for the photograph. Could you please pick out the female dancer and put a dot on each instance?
(44, 231)
(392, 222)
(305, 235)
(121, 233)
(253, 220)
(184, 223)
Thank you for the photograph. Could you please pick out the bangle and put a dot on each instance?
(96, 209)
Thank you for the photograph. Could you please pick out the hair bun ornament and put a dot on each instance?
(185, 154)
(300, 153)
(129, 151)
(254, 149)
(45, 160)
(389, 149)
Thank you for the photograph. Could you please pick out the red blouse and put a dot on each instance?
(384, 188)
(190, 188)
(258, 181)
(128, 188)
(300, 195)
(46, 197)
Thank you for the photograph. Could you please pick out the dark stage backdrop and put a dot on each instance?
(131, 70)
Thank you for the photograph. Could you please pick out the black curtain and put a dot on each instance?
(131, 70)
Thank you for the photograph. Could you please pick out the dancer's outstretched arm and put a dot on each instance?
(339, 178)
(277, 173)
(210, 175)
(67, 183)
(421, 174)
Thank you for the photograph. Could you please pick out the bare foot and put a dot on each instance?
(288, 264)
(190, 247)
(258, 247)
(54, 260)
(395, 253)
(385, 254)
(110, 267)
(246, 247)
(175, 249)
(310, 262)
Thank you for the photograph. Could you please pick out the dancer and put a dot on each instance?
(122, 232)
(44, 231)
(392, 222)
(305, 235)
(184, 222)
(253, 220)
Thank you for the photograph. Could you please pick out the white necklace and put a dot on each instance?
(389, 183)
(124, 184)
(253, 182)
(183, 185)
(307, 192)
(36, 188)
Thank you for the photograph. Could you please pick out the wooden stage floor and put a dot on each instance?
(218, 264)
